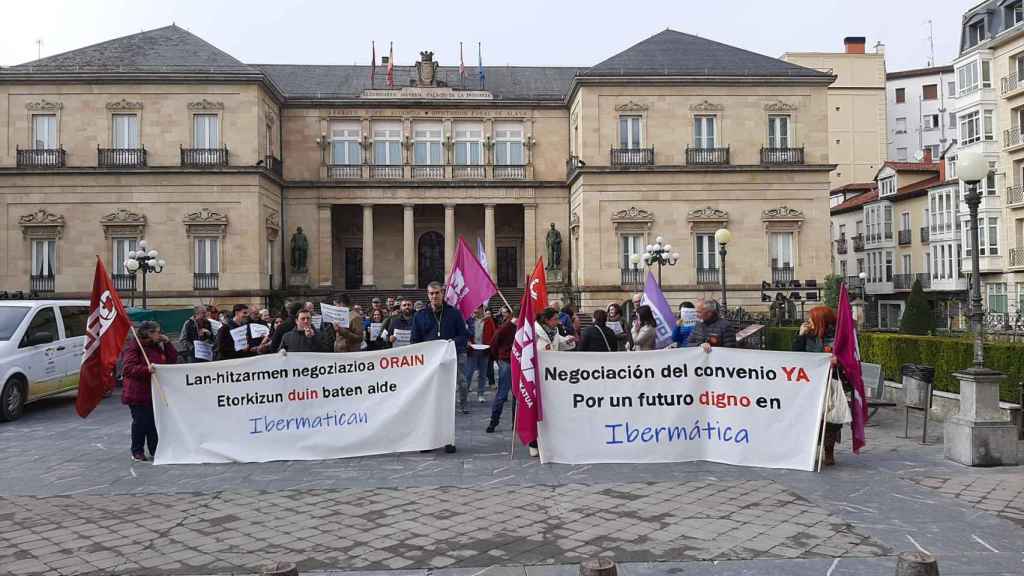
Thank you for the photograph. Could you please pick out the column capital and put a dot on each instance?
(449, 205)
(367, 204)
(490, 206)
(530, 206)
(408, 205)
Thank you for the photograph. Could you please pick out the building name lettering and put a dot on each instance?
(427, 93)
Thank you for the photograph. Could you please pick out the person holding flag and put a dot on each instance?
(525, 374)
(151, 347)
(847, 357)
(106, 329)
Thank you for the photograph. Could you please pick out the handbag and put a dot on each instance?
(837, 408)
(605, 338)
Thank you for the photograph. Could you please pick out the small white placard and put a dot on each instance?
(335, 314)
(615, 326)
(402, 337)
(375, 329)
(241, 337)
(203, 351)
(259, 330)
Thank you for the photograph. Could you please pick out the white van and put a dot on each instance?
(41, 343)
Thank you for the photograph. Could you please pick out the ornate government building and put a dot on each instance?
(254, 180)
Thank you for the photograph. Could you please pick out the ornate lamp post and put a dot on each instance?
(723, 236)
(660, 254)
(978, 435)
(145, 262)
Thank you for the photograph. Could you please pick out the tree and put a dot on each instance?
(917, 317)
(831, 291)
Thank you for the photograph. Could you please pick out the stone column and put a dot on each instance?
(409, 248)
(325, 247)
(367, 245)
(492, 257)
(979, 435)
(529, 238)
(449, 238)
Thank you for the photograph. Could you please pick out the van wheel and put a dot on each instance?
(12, 400)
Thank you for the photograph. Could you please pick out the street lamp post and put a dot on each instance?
(146, 262)
(972, 168)
(723, 236)
(660, 254)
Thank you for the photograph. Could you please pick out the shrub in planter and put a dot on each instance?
(917, 318)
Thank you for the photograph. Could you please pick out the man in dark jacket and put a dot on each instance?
(400, 327)
(501, 352)
(303, 338)
(292, 309)
(712, 330)
(439, 321)
(196, 329)
(599, 337)
(226, 349)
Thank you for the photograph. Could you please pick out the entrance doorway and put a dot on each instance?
(431, 258)
(508, 266)
(353, 268)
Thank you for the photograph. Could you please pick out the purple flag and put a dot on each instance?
(654, 298)
(469, 284)
(848, 355)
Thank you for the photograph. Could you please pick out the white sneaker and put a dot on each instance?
(534, 452)
(480, 398)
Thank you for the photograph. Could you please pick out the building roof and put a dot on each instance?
(915, 72)
(905, 192)
(910, 167)
(671, 53)
(852, 186)
(855, 203)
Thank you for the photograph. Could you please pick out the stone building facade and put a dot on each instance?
(218, 164)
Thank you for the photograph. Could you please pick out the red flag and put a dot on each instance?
(469, 284)
(525, 372)
(391, 64)
(538, 284)
(105, 331)
(846, 353)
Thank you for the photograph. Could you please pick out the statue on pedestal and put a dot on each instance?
(300, 251)
(553, 242)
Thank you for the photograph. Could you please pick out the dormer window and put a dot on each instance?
(1013, 13)
(975, 32)
(887, 186)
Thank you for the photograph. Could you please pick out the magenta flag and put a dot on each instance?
(847, 354)
(525, 371)
(469, 284)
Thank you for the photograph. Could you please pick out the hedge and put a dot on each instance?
(946, 355)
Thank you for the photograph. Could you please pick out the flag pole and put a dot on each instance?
(824, 409)
(515, 425)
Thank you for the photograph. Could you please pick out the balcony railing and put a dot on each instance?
(1013, 137)
(205, 280)
(386, 171)
(774, 156)
(124, 282)
(632, 157)
(1016, 258)
(926, 280)
(858, 243)
(344, 171)
(121, 157)
(510, 172)
(1014, 195)
(41, 158)
(467, 171)
(707, 276)
(204, 157)
(902, 281)
(274, 164)
(631, 276)
(903, 237)
(1010, 83)
(572, 164)
(428, 172)
(854, 282)
(707, 156)
(925, 235)
(786, 274)
(841, 246)
(42, 283)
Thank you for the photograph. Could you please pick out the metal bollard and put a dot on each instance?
(916, 564)
(281, 569)
(598, 567)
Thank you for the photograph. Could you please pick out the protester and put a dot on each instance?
(309, 307)
(599, 337)
(645, 329)
(634, 308)
(711, 330)
(138, 392)
(818, 334)
(303, 337)
(501, 352)
(419, 305)
(567, 318)
(391, 304)
(292, 310)
(226, 348)
(378, 340)
(683, 327)
(347, 338)
(617, 324)
(441, 321)
(265, 318)
(196, 329)
(400, 325)
(482, 331)
(489, 317)
(548, 336)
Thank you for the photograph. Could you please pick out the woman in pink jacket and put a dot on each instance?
(138, 390)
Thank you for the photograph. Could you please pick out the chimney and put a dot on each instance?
(854, 44)
(383, 60)
(927, 156)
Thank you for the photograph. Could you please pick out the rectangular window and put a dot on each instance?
(951, 88)
(632, 244)
(778, 131)
(970, 128)
(44, 257)
(206, 131)
(901, 154)
(967, 77)
(704, 131)
(842, 268)
(426, 144)
(901, 95)
(986, 74)
(990, 184)
(976, 33)
(906, 264)
(930, 92)
(207, 255)
(934, 150)
(860, 265)
(469, 144)
(987, 125)
(387, 143)
(930, 121)
(122, 246)
(888, 265)
(781, 245)
(887, 222)
(905, 221)
(935, 262)
(889, 314)
(629, 132)
(706, 252)
(952, 120)
(901, 125)
(125, 131)
(887, 186)
(993, 237)
(345, 143)
(508, 144)
(859, 226)
(1013, 14)
(997, 297)
(44, 131)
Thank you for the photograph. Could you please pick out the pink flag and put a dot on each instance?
(845, 351)
(525, 372)
(469, 284)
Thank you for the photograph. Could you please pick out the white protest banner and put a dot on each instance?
(203, 350)
(306, 406)
(241, 337)
(335, 314)
(402, 337)
(258, 330)
(743, 407)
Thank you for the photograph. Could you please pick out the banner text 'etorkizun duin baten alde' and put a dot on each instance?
(744, 407)
(306, 406)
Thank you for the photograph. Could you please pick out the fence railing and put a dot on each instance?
(902, 281)
(204, 157)
(205, 280)
(124, 282)
(344, 171)
(631, 276)
(121, 157)
(782, 155)
(706, 276)
(1013, 137)
(784, 274)
(1014, 195)
(41, 158)
(858, 243)
(1010, 83)
(42, 283)
(274, 164)
(386, 171)
(467, 171)
(428, 172)
(632, 156)
(1016, 258)
(926, 280)
(841, 246)
(707, 156)
(903, 237)
(509, 172)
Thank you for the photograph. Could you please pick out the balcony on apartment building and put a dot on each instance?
(853, 283)
(858, 243)
(707, 277)
(204, 157)
(783, 275)
(631, 277)
(121, 157)
(40, 157)
(274, 164)
(1016, 259)
(841, 245)
(905, 282)
(1015, 196)
(632, 157)
(124, 282)
(881, 285)
(1013, 137)
(425, 171)
(42, 283)
(1010, 84)
(205, 280)
(782, 156)
(903, 237)
(707, 156)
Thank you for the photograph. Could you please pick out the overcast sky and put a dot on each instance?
(521, 32)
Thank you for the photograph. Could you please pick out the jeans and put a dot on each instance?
(490, 372)
(461, 384)
(478, 360)
(143, 428)
(504, 387)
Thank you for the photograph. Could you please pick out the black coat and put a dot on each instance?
(592, 340)
(297, 341)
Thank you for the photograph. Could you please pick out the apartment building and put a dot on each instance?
(919, 112)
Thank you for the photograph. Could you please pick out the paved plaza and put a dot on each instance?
(71, 502)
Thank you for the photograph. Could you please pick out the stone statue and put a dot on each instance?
(553, 242)
(300, 250)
